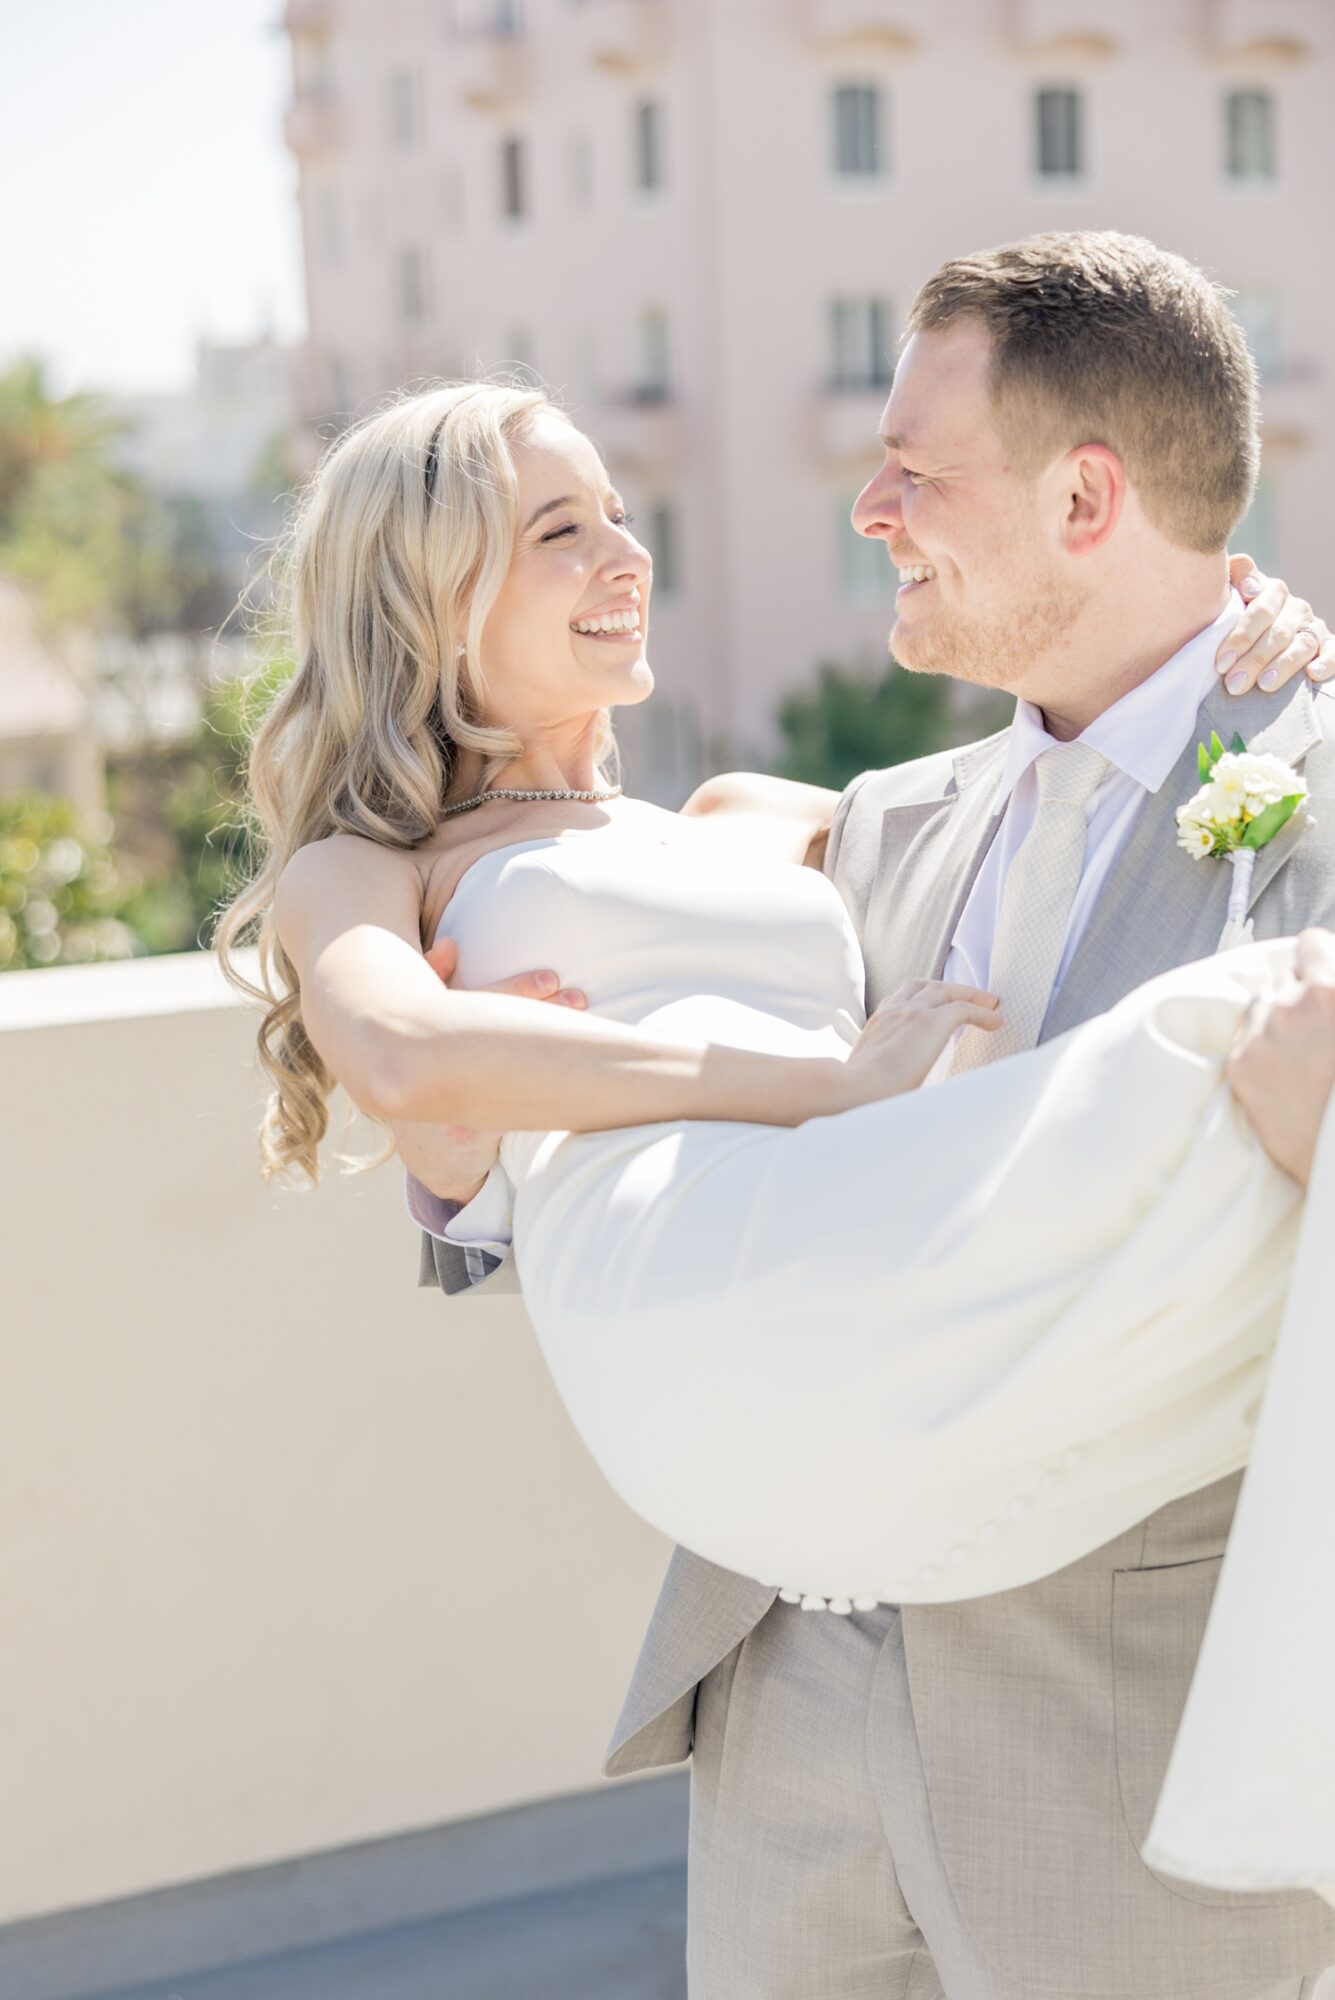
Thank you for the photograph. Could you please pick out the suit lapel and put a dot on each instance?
(929, 860)
(1159, 907)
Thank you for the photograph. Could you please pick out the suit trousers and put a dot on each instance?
(813, 1870)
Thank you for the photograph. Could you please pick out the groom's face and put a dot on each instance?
(950, 496)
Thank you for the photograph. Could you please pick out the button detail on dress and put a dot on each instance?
(791, 1596)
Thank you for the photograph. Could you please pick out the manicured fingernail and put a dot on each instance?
(1321, 670)
(1224, 662)
(1236, 682)
(1250, 585)
(1269, 680)
(575, 999)
(547, 982)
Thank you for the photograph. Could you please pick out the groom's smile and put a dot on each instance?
(912, 576)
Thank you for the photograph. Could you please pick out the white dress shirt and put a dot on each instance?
(1142, 736)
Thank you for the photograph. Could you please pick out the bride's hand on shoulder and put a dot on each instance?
(1278, 635)
(907, 1032)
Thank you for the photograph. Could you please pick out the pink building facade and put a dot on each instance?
(700, 221)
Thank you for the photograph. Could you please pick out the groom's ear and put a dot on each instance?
(1093, 492)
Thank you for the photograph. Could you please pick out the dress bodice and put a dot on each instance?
(638, 923)
(698, 939)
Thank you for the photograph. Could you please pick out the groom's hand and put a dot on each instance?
(454, 1160)
(1282, 1066)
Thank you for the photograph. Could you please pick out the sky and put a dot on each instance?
(148, 196)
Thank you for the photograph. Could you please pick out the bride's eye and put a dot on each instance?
(557, 533)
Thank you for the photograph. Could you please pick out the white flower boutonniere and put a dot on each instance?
(1244, 800)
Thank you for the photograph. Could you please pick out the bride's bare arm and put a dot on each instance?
(777, 818)
(773, 817)
(404, 1046)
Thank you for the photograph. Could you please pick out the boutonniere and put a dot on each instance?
(1245, 798)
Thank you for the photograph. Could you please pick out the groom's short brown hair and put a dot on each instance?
(1103, 338)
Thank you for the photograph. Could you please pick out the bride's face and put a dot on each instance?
(567, 633)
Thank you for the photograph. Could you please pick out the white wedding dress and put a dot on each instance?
(936, 1346)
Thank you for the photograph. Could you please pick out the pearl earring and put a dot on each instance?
(459, 652)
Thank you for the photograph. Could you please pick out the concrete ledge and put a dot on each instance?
(194, 1927)
(177, 982)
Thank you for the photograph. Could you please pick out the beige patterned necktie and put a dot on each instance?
(1036, 904)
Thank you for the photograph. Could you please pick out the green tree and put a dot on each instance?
(181, 846)
(94, 544)
(63, 896)
(182, 810)
(39, 430)
(855, 720)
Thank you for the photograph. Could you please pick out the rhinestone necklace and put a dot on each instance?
(466, 805)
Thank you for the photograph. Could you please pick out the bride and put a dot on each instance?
(829, 1331)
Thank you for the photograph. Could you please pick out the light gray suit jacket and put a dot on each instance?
(1045, 1714)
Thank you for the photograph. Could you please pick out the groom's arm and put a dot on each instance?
(452, 1266)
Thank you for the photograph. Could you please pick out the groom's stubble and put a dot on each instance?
(1001, 649)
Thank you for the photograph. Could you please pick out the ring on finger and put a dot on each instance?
(1308, 629)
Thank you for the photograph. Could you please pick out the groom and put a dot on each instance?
(949, 1799)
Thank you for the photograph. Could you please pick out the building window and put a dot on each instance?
(502, 19)
(654, 384)
(580, 169)
(866, 573)
(451, 195)
(512, 178)
(412, 285)
(1059, 134)
(1249, 123)
(1257, 313)
(859, 141)
(649, 146)
(1256, 534)
(329, 226)
(403, 122)
(519, 351)
(860, 344)
(662, 540)
(588, 380)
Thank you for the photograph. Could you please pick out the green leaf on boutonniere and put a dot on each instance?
(1267, 824)
(1207, 759)
(1237, 746)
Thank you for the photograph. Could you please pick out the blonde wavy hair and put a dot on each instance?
(393, 557)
